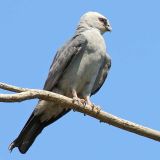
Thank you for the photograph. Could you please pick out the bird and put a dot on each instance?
(78, 71)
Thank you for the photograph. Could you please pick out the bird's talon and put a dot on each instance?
(79, 101)
(76, 100)
(85, 103)
(92, 107)
(98, 109)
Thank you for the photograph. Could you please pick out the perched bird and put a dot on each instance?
(78, 71)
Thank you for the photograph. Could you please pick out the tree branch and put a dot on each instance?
(26, 94)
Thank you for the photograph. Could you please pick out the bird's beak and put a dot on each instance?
(108, 26)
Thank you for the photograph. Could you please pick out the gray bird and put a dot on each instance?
(78, 70)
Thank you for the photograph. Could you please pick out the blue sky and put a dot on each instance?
(30, 34)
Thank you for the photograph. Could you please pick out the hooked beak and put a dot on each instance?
(108, 26)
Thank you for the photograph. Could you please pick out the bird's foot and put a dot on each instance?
(97, 108)
(78, 101)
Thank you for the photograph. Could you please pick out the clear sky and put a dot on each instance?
(30, 34)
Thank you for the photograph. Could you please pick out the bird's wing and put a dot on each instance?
(45, 112)
(63, 58)
(102, 75)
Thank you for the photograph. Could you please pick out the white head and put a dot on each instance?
(95, 20)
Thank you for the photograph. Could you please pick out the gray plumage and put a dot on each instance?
(78, 70)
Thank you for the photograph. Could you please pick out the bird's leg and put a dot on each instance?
(87, 98)
(76, 99)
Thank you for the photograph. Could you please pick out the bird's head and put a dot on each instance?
(95, 20)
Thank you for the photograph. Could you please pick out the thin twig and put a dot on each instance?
(26, 94)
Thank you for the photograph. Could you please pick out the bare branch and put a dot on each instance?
(12, 88)
(26, 94)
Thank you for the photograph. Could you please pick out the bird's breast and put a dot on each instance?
(82, 71)
(81, 74)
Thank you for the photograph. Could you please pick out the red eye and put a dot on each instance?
(103, 20)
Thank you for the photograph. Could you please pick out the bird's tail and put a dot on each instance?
(28, 134)
(31, 130)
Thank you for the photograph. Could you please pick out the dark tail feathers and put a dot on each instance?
(31, 130)
(28, 134)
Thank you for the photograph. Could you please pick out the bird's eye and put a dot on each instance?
(103, 20)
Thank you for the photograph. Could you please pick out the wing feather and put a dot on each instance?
(102, 75)
(63, 58)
